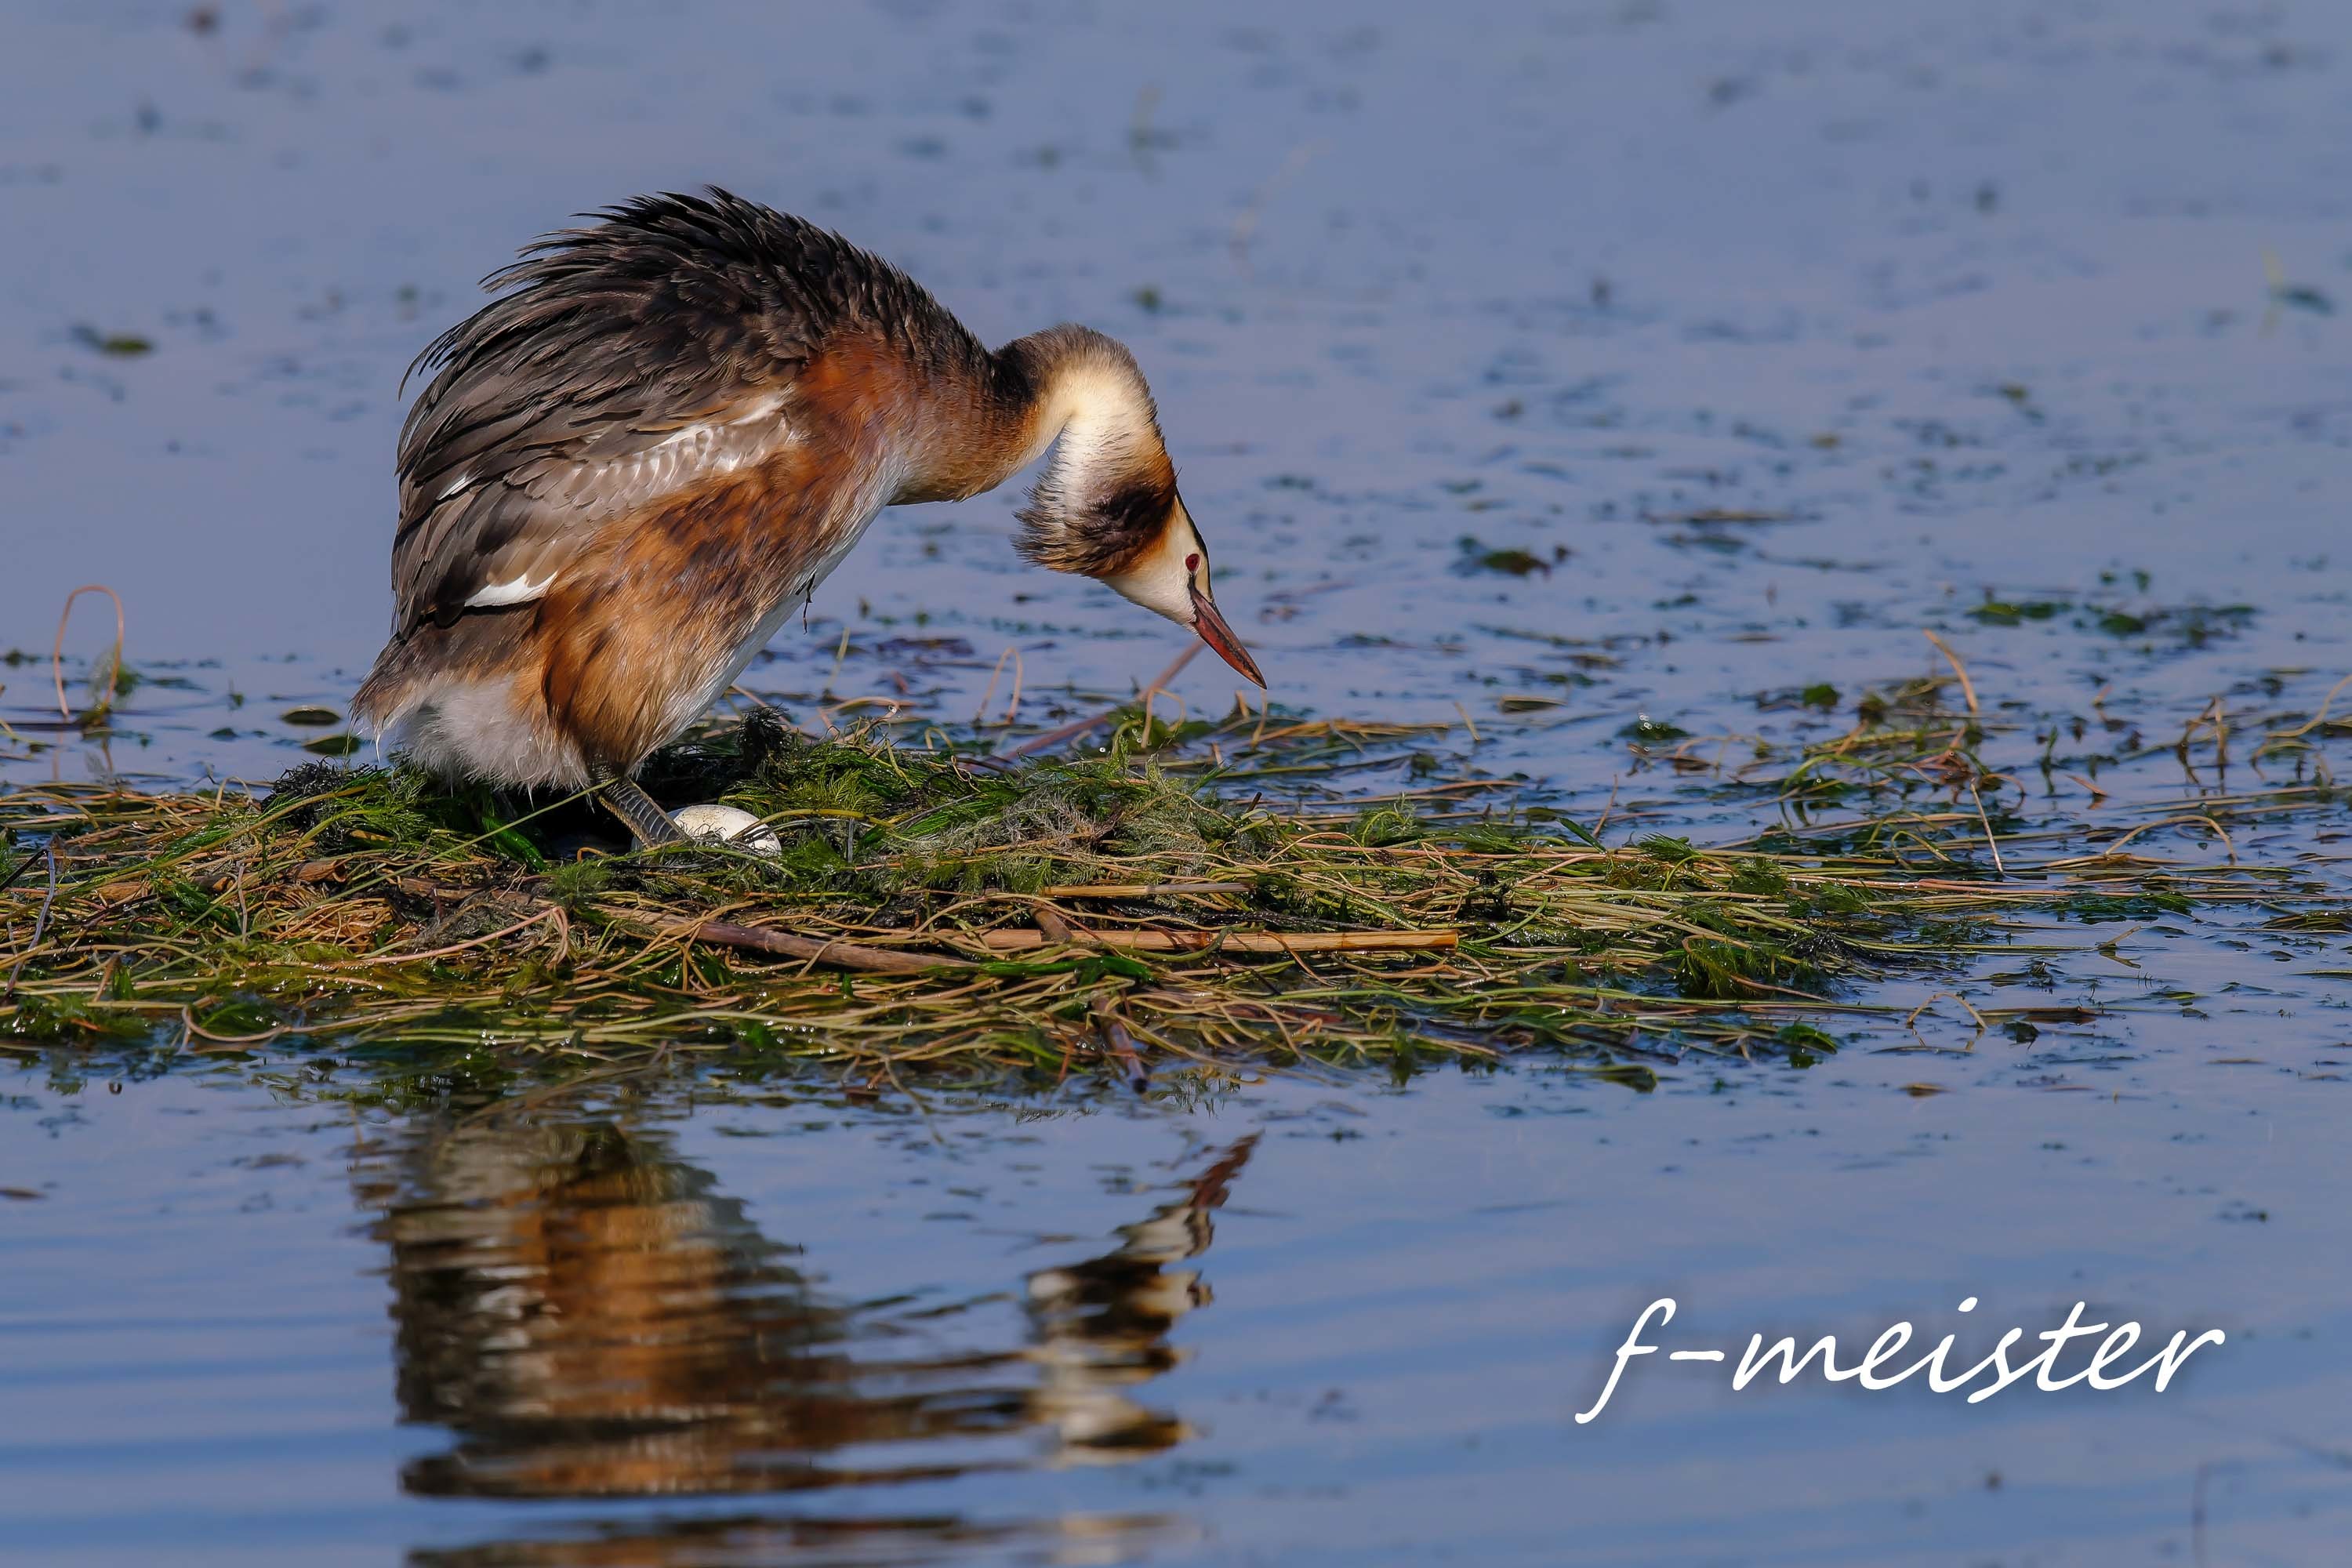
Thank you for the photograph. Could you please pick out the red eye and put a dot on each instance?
(1192, 564)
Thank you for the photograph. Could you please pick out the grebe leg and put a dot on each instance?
(648, 822)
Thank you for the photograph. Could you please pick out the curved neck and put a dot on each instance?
(1067, 388)
(1085, 399)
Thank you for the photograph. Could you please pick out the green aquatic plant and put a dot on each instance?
(939, 910)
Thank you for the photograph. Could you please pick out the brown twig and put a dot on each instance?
(783, 944)
(1266, 941)
(1140, 890)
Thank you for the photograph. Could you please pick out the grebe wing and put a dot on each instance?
(632, 361)
(497, 529)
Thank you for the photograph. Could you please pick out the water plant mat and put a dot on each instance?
(930, 911)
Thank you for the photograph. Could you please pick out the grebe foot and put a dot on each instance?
(648, 823)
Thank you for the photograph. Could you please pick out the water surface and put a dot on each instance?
(1767, 336)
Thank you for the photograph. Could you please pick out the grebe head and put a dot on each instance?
(1106, 507)
(1171, 576)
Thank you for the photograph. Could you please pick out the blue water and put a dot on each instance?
(1799, 328)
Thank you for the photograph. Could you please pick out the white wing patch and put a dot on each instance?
(548, 509)
(519, 590)
(685, 456)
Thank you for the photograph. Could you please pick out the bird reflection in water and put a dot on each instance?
(595, 1319)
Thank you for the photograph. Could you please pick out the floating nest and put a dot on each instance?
(935, 911)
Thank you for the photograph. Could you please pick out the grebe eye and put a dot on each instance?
(1192, 564)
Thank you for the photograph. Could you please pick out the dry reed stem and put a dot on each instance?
(114, 658)
(1070, 732)
(1967, 687)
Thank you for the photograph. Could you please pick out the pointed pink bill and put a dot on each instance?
(1220, 637)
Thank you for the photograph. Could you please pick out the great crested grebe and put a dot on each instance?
(632, 468)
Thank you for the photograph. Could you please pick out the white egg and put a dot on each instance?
(731, 826)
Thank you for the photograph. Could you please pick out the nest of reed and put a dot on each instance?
(933, 913)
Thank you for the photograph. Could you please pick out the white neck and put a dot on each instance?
(1097, 415)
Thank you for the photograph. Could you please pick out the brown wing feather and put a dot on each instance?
(532, 518)
(629, 360)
